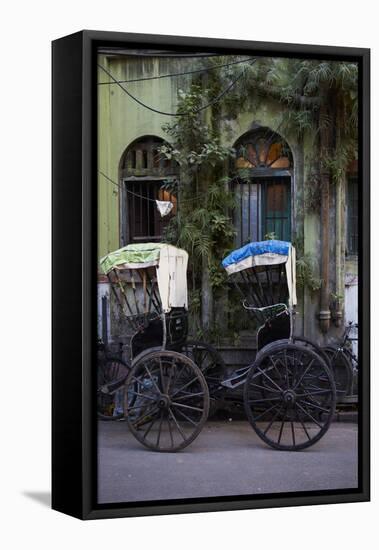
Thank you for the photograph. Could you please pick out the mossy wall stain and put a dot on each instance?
(121, 121)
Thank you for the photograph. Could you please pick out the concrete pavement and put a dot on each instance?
(227, 458)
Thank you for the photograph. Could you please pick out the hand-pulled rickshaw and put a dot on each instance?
(288, 391)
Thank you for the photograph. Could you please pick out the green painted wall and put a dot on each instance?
(121, 120)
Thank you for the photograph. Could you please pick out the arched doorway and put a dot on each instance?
(262, 183)
(143, 173)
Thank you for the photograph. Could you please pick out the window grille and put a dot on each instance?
(145, 221)
(263, 208)
(262, 186)
(144, 171)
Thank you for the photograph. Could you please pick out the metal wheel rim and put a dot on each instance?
(171, 403)
(290, 402)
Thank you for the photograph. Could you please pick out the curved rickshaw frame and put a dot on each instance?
(288, 391)
(166, 396)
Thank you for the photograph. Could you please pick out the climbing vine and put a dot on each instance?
(203, 225)
(318, 104)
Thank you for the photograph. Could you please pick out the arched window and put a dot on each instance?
(144, 173)
(262, 184)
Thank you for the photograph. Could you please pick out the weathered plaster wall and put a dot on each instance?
(122, 120)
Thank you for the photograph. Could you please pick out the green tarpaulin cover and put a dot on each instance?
(144, 253)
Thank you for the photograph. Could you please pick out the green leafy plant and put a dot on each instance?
(270, 236)
(318, 102)
(203, 225)
(305, 277)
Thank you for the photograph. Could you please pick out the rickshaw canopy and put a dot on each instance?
(265, 253)
(170, 263)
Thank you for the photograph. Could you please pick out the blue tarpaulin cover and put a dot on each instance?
(256, 249)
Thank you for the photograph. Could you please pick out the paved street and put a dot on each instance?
(226, 459)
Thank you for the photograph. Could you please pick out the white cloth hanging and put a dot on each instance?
(164, 207)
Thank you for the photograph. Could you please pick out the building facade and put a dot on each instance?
(272, 198)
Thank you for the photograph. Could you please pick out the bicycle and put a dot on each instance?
(112, 373)
(344, 363)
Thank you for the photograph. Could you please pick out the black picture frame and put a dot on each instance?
(74, 205)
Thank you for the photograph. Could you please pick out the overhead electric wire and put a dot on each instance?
(143, 196)
(268, 130)
(127, 190)
(196, 71)
(212, 102)
(273, 132)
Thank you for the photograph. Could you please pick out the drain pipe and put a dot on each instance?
(324, 314)
(338, 313)
(338, 307)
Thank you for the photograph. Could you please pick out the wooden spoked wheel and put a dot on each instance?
(300, 340)
(211, 364)
(290, 397)
(166, 401)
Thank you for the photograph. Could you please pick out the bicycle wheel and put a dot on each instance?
(314, 347)
(342, 371)
(111, 377)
